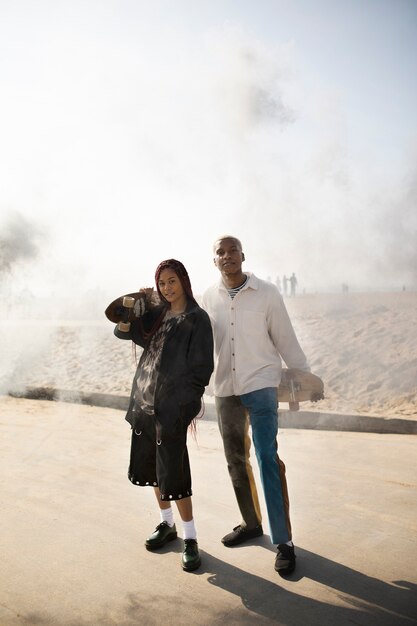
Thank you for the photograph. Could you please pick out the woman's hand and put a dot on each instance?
(142, 303)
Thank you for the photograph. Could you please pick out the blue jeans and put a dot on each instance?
(259, 409)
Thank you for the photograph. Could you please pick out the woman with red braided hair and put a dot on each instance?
(173, 371)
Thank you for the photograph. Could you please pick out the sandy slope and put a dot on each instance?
(364, 346)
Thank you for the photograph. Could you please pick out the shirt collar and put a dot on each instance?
(252, 282)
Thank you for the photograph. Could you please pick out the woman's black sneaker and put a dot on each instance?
(161, 535)
(190, 557)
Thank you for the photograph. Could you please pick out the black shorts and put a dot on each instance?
(162, 463)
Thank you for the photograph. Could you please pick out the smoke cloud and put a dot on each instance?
(19, 242)
(396, 232)
(138, 138)
(149, 147)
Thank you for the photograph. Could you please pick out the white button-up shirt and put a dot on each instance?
(252, 334)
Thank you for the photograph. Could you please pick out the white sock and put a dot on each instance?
(167, 515)
(289, 543)
(189, 531)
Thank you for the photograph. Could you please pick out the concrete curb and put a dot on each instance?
(355, 423)
(310, 420)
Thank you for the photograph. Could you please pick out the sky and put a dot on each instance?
(135, 131)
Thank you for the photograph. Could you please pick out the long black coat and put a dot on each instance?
(185, 367)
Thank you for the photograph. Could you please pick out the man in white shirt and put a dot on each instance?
(252, 334)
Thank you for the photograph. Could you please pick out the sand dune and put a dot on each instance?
(363, 345)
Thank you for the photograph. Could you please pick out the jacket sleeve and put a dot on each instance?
(138, 327)
(134, 334)
(199, 358)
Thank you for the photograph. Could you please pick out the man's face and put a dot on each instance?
(228, 256)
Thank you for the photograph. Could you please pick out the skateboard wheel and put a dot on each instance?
(124, 327)
(128, 302)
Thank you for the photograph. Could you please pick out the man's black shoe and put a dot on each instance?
(241, 534)
(285, 559)
(162, 534)
(190, 557)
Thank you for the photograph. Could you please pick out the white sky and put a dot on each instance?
(134, 131)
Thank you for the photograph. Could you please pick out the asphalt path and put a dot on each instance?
(72, 529)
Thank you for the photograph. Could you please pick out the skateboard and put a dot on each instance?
(298, 386)
(122, 310)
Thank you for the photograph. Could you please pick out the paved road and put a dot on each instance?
(72, 529)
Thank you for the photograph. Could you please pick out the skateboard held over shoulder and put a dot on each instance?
(298, 386)
(125, 309)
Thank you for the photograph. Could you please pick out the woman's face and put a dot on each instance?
(172, 290)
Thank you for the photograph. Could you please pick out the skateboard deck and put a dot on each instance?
(298, 386)
(121, 310)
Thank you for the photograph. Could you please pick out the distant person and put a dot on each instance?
(293, 282)
(252, 334)
(285, 284)
(278, 283)
(174, 368)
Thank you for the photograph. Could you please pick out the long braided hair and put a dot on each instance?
(182, 274)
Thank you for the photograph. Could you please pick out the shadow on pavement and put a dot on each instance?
(371, 601)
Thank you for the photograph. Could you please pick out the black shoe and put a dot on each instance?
(161, 535)
(285, 559)
(241, 534)
(191, 559)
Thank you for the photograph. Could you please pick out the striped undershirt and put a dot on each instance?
(235, 290)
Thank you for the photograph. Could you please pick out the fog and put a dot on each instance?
(132, 134)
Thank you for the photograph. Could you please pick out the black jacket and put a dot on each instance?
(185, 367)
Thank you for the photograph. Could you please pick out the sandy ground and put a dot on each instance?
(363, 345)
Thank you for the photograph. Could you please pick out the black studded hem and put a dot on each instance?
(164, 496)
(179, 496)
(142, 483)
